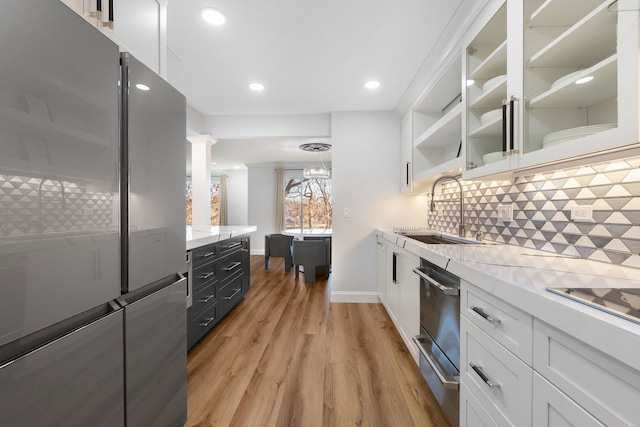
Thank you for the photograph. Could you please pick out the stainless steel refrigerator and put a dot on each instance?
(92, 316)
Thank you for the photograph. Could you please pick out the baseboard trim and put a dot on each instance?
(355, 297)
(257, 252)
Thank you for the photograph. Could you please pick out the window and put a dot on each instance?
(307, 203)
(215, 200)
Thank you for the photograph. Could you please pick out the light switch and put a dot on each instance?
(346, 212)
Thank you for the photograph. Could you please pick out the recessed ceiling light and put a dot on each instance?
(213, 16)
(372, 84)
(584, 80)
(470, 82)
(142, 87)
(258, 87)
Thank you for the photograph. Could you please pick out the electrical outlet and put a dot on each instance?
(346, 213)
(505, 213)
(582, 213)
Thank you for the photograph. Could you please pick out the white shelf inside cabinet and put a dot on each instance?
(555, 13)
(492, 98)
(445, 131)
(493, 128)
(494, 65)
(451, 167)
(567, 95)
(596, 33)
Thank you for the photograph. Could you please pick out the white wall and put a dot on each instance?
(261, 211)
(265, 126)
(366, 179)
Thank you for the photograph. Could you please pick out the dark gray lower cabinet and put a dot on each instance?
(220, 280)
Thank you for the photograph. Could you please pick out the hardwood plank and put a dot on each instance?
(287, 356)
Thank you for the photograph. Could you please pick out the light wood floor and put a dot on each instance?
(287, 357)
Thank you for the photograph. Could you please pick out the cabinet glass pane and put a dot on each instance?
(486, 88)
(570, 71)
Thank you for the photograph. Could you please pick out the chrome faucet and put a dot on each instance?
(40, 226)
(462, 227)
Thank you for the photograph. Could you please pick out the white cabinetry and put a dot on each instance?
(437, 124)
(139, 27)
(406, 156)
(525, 108)
(517, 370)
(381, 268)
(401, 292)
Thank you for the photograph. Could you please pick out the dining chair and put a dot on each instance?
(278, 245)
(312, 255)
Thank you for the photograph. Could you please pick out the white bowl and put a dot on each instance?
(490, 84)
(492, 157)
(491, 116)
(577, 132)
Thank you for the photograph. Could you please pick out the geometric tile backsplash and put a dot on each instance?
(64, 206)
(542, 211)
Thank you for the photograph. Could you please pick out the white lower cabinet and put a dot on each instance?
(381, 268)
(553, 408)
(529, 373)
(500, 381)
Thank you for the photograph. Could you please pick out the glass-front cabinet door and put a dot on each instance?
(574, 79)
(550, 80)
(487, 87)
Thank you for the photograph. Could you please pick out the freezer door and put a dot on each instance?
(154, 125)
(156, 357)
(76, 380)
(59, 184)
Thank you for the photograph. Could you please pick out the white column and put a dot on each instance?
(201, 179)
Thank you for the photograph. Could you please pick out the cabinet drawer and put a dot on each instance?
(204, 254)
(230, 266)
(472, 414)
(609, 390)
(204, 275)
(204, 298)
(501, 382)
(231, 245)
(230, 295)
(553, 408)
(503, 322)
(199, 325)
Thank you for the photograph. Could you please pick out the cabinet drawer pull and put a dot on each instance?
(205, 276)
(481, 374)
(485, 316)
(208, 254)
(206, 299)
(207, 321)
(233, 294)
(234, 245)
(447, 290)
(232, 266)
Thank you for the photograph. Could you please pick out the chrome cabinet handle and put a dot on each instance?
(394, 267)
(208, 254)
(478, 370)
(439, 286)
(206, 275)
(447, 382)
(233, 245)
(233, 294)
(206, 299)
(207, 321)
(232, 266)
(485, 316)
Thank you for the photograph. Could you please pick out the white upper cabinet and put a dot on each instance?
(437, 124)
(553, 80)
(406, 155)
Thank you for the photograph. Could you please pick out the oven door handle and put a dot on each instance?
(448, 382)
(439, 286)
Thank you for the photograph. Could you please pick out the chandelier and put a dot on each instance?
(320, 171)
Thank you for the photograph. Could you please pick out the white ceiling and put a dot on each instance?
(313, 56)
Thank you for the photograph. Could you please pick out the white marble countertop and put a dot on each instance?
(201, 236)
(521, 275)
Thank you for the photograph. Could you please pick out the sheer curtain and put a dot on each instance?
(223, 215)
(279, 200)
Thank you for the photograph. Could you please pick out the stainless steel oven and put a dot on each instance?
(439, 339)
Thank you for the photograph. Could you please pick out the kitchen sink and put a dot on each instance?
(438, 239)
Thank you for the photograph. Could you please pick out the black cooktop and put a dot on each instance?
(623, 302)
